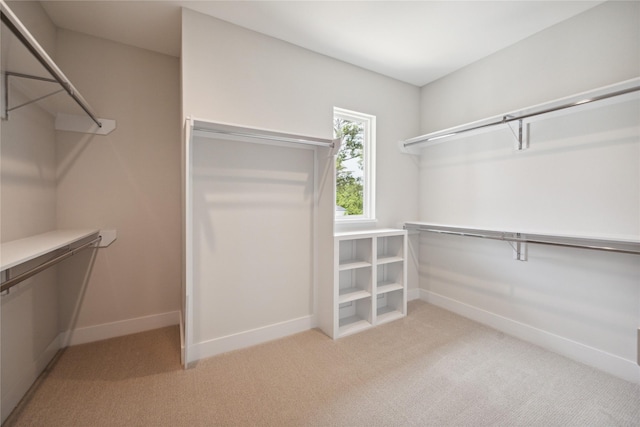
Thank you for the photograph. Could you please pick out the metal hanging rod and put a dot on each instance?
(207, 129)
(617, 246)
(9, 283)
(274, 138)
(508, 118)
(20, 31)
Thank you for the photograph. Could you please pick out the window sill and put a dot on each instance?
(344, 224)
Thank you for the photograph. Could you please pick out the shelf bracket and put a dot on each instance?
(638, 353)
(65, 122)
(520, 252)
(5, 82)
(335, 147)
(520, 131)
(4, 276)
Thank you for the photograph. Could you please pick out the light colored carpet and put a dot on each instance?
(431, 368)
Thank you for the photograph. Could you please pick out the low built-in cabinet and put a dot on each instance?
(369, 286)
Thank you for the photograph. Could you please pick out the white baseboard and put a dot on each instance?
(119, 328)
(607, 362)
(251, 337)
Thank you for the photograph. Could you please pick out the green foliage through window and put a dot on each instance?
(349, 166)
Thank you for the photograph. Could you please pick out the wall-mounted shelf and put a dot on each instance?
(607, 245)
(520, 120)
(60, 244)
(29, 75)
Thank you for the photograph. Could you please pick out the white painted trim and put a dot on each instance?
(316, 234)
(187, 241)
(119, 328)
(251, 337)
(182, 342)
(615, 365)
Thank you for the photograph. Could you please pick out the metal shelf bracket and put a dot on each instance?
(520, 250)
(520, 131)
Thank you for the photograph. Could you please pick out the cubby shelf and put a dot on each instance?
(390, 259)
(384, 287)
(352, 294)
(369, 286)
(387, 314)
(352, 265)
(351, 325)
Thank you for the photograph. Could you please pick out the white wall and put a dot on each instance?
(128, 180)
(593, 49)
(580, 176)
(29, 314)
(233, 75)
(253, 232)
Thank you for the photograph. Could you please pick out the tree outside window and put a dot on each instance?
(354, 181)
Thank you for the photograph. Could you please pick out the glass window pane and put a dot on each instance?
(349, 167)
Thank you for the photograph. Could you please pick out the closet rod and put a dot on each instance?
(276, 138)
(617, 246)
(9, 283)
(21, 32)
(509, 118)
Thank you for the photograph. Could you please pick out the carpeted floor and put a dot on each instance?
(432, 368)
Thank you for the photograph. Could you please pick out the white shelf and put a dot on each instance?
(379, 232)
(390, 259)
(352, 265)
(595, 243)
(39, 76)
(353, 324)
(385, 287)
(619, 92)
(352, 294)
(387, 314)
(20, 251)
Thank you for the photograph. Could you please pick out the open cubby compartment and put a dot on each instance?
(355, 253)
(390, 306)
(354, 316)
(390, 277)
(390, 248)
(354, 284)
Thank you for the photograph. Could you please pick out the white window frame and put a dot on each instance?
(369, 164)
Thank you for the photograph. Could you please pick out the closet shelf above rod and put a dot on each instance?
(24, 60)
(611, 92)
(61, 244)
(617, 246)
(210, 129)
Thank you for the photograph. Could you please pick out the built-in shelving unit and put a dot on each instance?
(369, 281)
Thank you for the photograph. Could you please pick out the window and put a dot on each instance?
(355, 165)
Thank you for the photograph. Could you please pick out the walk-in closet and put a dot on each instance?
(320, 213)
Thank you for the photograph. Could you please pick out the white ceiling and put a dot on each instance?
(413, 41)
